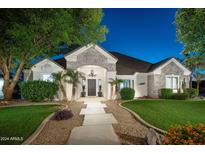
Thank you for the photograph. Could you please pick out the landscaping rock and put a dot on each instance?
(153, 138)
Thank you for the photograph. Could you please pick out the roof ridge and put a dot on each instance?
(130, 57)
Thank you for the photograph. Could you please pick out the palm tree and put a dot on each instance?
(115, 89)
(74, 79)
(59, 78)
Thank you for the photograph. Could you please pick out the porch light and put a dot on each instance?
(100, 82)
(92, 74)
(83, 82)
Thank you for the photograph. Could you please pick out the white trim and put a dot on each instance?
(128, 77)
(73, 55)
(158, 70)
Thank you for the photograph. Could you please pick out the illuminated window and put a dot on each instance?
(47, 77)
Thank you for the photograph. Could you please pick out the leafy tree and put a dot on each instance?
(74, 79)
(190, 30)
(26, 34)
(198, 76)
(59, 79)
(194, 61)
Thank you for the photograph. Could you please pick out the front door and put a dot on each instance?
(91, 87)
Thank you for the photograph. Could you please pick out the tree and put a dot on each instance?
(198, 76)
(74, 77)
(190, 30)
(59, 79)
(195, 63)
(27, 34)
(114, 85)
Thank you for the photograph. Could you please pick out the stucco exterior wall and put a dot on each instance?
(100, 74)
(45, 67)
(141, 85)
(157, 81)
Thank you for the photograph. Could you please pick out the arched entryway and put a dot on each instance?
(95, 82)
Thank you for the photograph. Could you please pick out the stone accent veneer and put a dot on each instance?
(157, 81)
(91, 57)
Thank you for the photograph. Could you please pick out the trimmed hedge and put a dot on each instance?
(37, 91)
(166, 93)
(180, 96)
(192, 92)
(127, 93)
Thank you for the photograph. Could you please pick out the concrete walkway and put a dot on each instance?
(97, 126)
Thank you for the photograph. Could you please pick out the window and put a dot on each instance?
(127, 84)
(47, 77)
(172, 82)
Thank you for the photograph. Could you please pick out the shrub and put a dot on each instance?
(127, 93)
(63, 115)
(38, 90)
(192, 92)
(185, 134)
(166, 93)
(180, 96)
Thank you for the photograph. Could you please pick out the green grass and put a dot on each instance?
(21, 121)
(164, 113)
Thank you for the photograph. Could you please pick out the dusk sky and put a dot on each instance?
(147, 34)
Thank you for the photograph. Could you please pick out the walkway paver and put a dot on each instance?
(93, 135)
(92, 102)
(92, 111)
(97, 126)
(99, 119)
(93, 105)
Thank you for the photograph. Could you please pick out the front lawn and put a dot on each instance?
(18, 123)
(164, 113)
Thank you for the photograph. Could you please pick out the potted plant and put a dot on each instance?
(100, 91)
(83, 93)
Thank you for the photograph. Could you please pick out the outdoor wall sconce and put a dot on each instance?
(100, 82)
(92, 74)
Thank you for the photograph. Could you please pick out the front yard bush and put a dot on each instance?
(166, 93)
(127, 93)
(38, 90)
(63, 115)
(192, 92)
(185, 135)
(180, 96)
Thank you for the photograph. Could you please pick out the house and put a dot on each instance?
(100, 66)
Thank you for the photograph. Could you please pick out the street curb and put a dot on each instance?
(141, 120)
(32, 137)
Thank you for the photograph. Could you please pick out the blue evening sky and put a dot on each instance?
(147, 34)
